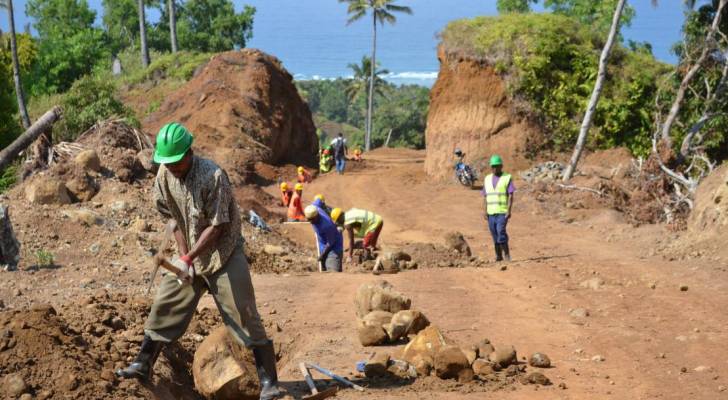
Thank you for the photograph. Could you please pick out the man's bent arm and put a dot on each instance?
(208, 239)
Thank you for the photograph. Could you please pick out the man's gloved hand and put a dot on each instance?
(186, 270)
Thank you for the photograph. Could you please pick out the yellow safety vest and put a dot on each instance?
(496, 198)
(367, 219)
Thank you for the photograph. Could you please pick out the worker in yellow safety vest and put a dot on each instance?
(499, 190)
(363, 224)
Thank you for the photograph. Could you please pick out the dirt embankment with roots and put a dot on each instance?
(470, 109)
(243, 108)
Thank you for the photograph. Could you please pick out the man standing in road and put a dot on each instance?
(499, 190)
(340, 152)
(197, 195)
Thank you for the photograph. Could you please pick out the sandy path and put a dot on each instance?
(645, 335)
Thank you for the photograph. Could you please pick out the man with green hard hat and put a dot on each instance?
(499, 191)
(196, 194)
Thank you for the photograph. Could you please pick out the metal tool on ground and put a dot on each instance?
(315, 394)
(159, 259)
(335, 377)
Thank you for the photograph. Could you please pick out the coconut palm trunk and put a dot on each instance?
(598, 86)
(143, 34)
(16, 67)
(172, 25)
(370, 108)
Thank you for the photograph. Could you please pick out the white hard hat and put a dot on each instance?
(311, 212)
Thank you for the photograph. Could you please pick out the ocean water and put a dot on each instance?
(312, 38)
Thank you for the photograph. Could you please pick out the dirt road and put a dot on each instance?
(640, 324)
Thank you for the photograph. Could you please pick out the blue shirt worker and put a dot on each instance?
(499, 190)
(329, 239)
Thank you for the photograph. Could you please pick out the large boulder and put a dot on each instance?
(243, 107)
(406, 322)
(425, 345)
(88, 160)
(449, 362)
(82, 187)
(371, 330)
(47, 190)
(503, 356)
(223, 369)
(380, 296)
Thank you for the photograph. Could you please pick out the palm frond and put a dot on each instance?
(400, 9)
(356, 16)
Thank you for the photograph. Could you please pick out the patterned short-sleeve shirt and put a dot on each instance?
(204, 198)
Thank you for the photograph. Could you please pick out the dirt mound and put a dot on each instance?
(243, 108)
(74, 350)
(469, 109)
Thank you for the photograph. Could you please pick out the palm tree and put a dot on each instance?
(172, 25)
(382, 11)
(362, 74)
(8, 5)
(143, 34)
(596, 93)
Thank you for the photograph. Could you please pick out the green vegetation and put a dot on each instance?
(550, 61)
(403, 109)
(8, 176)
(44, 258)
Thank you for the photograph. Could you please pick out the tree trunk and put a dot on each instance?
(42, 125)
(172, 25)
(591, 108)
(368, 138)
(143, 34)
(685, 84)
(16, 68)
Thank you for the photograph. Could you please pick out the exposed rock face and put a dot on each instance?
(425, 346)
(47, 190)
(223, 369)
(470, 110)
(242, 108)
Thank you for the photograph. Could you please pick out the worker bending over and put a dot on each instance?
(303, 175)
(499, 190)
(361, 224)
(328, 238)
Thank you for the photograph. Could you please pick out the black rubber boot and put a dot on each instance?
(506, 252)
(265, 363)
(498, 252)
(143, 364)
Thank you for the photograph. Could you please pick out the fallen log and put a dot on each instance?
(43, 124)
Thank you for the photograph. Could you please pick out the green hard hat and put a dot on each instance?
(173, 141)
(495, 160)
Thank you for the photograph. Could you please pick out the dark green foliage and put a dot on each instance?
(203, 26)
(89, 100)
(550, 62)
(9, 127)
(70, 46)
(8, 177)
(121, 22)
(595, 14)
(400, 108)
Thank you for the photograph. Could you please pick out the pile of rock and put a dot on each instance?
(546, 172)
(384, 315)
(432, 353)
(392, 262)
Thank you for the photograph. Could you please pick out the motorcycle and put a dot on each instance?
(465, 175)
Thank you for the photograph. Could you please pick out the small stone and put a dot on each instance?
(562, 386)
(503, 356)
(579, 313)
(274, 250)
(377, 365)
(683, 370)
(25, 396)
(94, 248)
(593, 283)
(539, 360)
(598, 358)
(536, 378)
(702, 368)
(273, 312)
(721, 388)
(482, 367)
(14, 385)
(683, 288)
(661, 355)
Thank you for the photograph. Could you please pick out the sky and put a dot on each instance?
(312, 39)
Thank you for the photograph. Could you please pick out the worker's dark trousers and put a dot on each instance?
(497, 224)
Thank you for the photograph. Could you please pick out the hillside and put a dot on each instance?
(518, 84)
